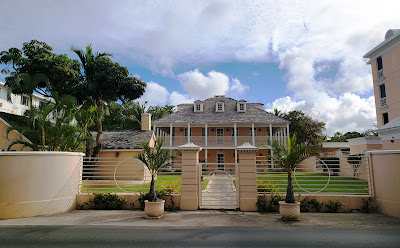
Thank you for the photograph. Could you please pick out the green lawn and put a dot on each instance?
(166, 182)
(312, 182)
(266, 183)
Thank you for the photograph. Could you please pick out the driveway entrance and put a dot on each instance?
(218, 188)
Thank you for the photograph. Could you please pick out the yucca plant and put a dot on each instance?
(155, 158)
(287, 157)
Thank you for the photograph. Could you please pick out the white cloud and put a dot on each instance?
(177, 98)
(201, 86)
(163, 35)
(349, 112)
(155, 94)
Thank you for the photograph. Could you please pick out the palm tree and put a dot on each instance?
(287, 157)
(155, 159)
(88, 59)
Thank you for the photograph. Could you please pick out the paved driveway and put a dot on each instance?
(220, 192)
(200, 229)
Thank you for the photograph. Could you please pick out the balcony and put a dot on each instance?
(220, 141)
(380, 76)
(383, 102)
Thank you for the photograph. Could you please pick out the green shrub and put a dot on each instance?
(333, 206)
(271, 205)
(161, 194)
(307, 205)
(367, 206)
(107, 201)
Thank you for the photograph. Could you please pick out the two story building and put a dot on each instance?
(385, 65)
(219, 125)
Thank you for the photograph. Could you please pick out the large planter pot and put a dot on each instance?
(289, 211)
(154, 210)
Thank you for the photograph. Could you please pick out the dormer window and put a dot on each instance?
(198, 106)
(241, 106)
(219, 107)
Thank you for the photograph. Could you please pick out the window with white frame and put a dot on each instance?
(219, 107)
(251, 133)
(3, 94)
(25, 100)
(241, 106)
(198, 106)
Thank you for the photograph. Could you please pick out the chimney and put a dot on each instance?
(146, 122)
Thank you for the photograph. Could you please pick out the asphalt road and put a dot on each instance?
(144, 236)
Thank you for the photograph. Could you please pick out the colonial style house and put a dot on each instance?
(219, 125)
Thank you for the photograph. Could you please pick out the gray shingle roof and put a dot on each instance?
(230, 115)
(124, 139)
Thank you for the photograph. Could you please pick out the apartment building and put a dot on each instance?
(19, 103)
(385, 64)
(219, 125)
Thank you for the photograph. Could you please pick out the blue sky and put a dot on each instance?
(304, 55)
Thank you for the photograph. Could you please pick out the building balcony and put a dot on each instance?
(383, 102)
(221, 141)
(380, 76)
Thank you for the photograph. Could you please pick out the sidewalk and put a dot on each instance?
(206, 218)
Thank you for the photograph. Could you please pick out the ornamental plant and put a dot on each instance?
(288, 156)
(155, 158)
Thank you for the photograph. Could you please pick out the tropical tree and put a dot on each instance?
(50, 128)
(103, 81)
(287, 157)
(155, 159)
(13, 56)
(25, 83)
(307, 129)
(158, 112)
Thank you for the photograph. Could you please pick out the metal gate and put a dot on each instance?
(218, 186)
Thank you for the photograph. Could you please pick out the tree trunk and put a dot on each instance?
(289, 193)
(152, 193)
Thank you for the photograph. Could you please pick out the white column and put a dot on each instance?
(170, 134)
(270, 132)
(235, 135)
(270, 138)
(155, 130)
(284, 136)
(188, 132)
(206, 137)
(252, 134)
(206, 155)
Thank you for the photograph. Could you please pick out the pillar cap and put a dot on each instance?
(190, 147)
(247, 148)
(146, 114)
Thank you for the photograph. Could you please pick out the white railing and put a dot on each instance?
(124, 174)
(314, 176)
(221, 141)
(380, 75)
(383, 102)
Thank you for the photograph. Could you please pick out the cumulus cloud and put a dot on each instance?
(348, 112)
(201, 86)
(155, 94)
(301, 36)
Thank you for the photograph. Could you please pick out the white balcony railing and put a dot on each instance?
(221, 141)
(380, 75)
(383, 102)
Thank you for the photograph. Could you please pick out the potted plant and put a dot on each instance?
(155, 159)
(287, 157)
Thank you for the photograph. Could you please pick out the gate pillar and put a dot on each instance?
(247, 177)
(190, 176)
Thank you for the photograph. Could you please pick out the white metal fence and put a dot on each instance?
(218, 186)
(123, 174)
(332, 176)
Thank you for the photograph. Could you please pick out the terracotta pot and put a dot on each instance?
(289, 211)
(154, 210)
